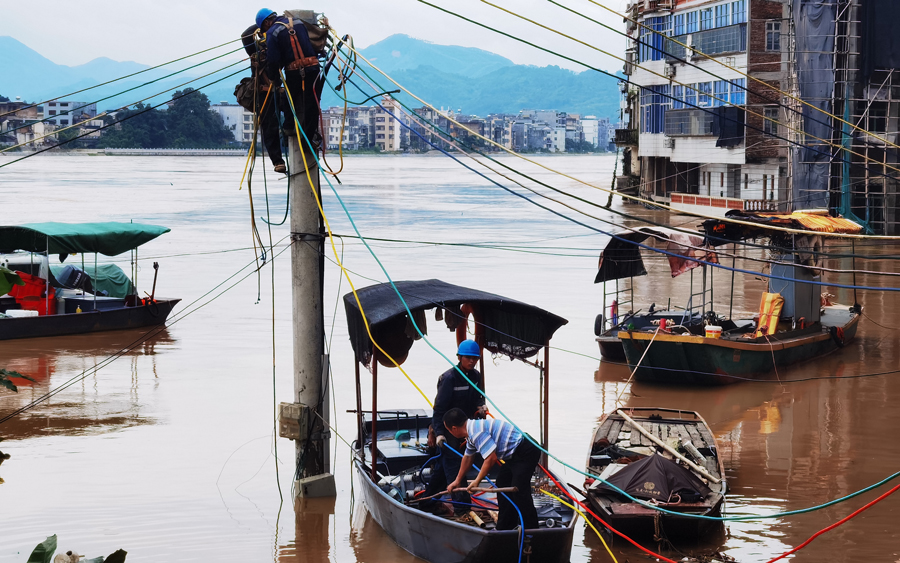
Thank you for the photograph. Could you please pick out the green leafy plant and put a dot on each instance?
(5, 374)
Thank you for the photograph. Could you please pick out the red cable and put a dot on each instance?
(610, 528)
(835, 525)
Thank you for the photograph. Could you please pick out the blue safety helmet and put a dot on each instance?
(469, 348)
(263, 15)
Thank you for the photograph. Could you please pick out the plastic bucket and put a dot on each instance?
(713, 331)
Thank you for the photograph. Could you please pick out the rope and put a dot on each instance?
(587, 521)
(300, 133)
(602, 521)
(836, 524)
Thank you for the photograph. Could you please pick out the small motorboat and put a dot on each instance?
(39, 299)
(665, 457)
(391, 462)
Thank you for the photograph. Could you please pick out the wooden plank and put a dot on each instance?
(707, 436)
(663, 432)
(614, 430)
(654, 429)
(695, 436)
(680, 431)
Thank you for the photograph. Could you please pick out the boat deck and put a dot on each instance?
(671, 428)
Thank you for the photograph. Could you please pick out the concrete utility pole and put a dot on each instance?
(310, 362)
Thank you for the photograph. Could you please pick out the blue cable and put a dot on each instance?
(521, 518)
(427, 341)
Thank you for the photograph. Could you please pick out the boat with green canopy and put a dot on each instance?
(40, 299)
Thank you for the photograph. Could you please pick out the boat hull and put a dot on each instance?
(611, 347)
(439, 540)
(87, 322)
(641, 524)
(693, 360)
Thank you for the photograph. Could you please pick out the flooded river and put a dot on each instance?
(167, 450)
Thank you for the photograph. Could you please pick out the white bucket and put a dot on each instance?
(713, 331)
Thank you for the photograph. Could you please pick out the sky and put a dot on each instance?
(160, 30)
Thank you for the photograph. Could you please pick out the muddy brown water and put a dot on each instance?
(167, 451)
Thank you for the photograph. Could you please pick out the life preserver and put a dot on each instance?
(462, 330)
(837, 334)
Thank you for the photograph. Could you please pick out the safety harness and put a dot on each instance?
(300, 62)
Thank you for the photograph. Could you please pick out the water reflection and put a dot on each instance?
(72, 361)
(312, 527)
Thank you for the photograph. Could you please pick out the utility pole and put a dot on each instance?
(313, 476)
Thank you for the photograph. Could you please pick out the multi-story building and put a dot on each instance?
(63, 114)
(20, 124)
(686, 141)
(238, 119)
(389, 133)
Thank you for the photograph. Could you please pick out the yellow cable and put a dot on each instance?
(341, 136)
(588, 521)
(607, 190)
(764, 83)
(252, 150)
(699, 93)
(334, 249)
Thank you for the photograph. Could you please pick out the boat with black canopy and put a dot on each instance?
(667, 457)
(39, 299)
(796, 320)
(390, 457)
(621, 260)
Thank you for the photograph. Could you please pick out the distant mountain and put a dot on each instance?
(402, 52)
(462, 78)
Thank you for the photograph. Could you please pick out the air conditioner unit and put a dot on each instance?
(669, 143)
(670, 70)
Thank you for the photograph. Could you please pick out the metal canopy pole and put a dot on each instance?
(360, 434)
(733, 263)
(546, 436)
(47, 285)
(374, 461)
(95, 281)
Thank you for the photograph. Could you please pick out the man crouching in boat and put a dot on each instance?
(498, 440)
(454, 392)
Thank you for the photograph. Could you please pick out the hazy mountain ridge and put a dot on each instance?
(462, 78)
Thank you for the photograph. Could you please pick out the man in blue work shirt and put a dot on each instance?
(498, 440)
(288, 47)
(453, 391)
(263, 101)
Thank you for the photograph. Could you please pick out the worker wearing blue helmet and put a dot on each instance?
(289, 49)
(454, 391)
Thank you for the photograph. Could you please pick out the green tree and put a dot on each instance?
(579, 146)
(140, 127)
(64, 138)
(193, 125)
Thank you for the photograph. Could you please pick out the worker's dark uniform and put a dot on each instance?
(304, 84)
(268, 118)
(453, 391)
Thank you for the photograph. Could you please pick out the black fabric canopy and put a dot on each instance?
(622, 257)
(511, 327)
(657, 478)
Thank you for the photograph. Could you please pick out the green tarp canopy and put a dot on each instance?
(109, 239)
(108, 277)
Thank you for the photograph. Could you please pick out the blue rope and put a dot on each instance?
(452, 363)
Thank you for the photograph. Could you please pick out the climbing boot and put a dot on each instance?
(281, 168)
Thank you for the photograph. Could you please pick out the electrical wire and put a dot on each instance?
(586, 521)
(135, 114)
(124, 92)
(617, 236)
(628, 196)
(119, 78)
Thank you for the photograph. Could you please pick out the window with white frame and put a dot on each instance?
(739, 12)
(722, 15)
(739, 91)
(706, 19)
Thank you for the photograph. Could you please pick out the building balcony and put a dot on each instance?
(712, 42)
(626, 137)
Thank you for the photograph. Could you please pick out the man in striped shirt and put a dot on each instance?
(498, 440)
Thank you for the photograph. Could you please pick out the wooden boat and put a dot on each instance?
(38, 304)
(616, 444)
(621, 260)
(390, 469)
(804, 326)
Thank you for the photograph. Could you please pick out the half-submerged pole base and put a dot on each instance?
(317, 486)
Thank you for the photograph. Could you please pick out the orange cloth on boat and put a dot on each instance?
(769, 313)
